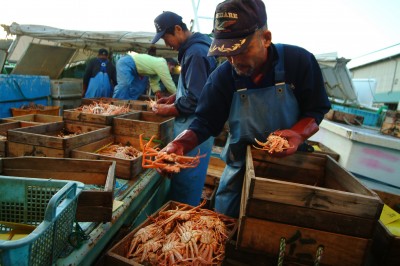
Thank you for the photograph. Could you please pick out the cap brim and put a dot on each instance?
(228, 47)
(158, 36)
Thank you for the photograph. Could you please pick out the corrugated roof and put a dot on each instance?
(384, 53)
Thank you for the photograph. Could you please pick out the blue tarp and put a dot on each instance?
(18, 90)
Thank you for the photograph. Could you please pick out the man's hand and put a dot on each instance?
(301, 131)
(167, 100)
(165, 109)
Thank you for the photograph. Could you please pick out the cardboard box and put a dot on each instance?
(125, 168)
(147, 123)
(309, 194)
(94, 204)
(47, 140)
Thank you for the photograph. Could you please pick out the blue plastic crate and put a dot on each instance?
(370, 118)
(50, 205)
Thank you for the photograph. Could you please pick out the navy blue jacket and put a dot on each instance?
(196, 66)
(302, 72)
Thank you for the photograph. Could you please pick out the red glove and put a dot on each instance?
(84, 88)
(158, 95)
(167, 100)
(301, 131)
(182, 144)
(165, 110)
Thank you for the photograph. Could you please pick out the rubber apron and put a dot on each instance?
(254, 114)
(100, 85)
(130, 85)
(187, 186)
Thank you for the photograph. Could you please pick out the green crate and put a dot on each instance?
(50, 205)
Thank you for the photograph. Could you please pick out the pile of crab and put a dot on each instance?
(103, 109)
(183, 236)
(120, 151)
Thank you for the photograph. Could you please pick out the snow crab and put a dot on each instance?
(274, 143)
(168, 162)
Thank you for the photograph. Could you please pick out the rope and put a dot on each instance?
(282, 247)
(318, 255)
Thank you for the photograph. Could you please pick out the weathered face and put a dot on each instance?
(173, 40)
(248, 62)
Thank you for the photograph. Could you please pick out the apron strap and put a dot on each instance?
(280, 66)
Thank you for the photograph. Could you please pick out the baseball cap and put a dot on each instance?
(103, 51)
(164, 21)
(235, 21)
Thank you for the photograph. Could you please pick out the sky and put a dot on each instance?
(351, 28)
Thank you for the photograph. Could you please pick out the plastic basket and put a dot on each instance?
(50, 205)
(48, 110)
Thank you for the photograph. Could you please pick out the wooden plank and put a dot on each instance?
(94, 204)
(314, 197)
(386, 246)
(125, 168)
(311, 218)
(146, 123)
(48, 135)
(303, 243)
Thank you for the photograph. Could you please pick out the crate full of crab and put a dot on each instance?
(147, 123)
(124, 150)
(177, 234)
(96, 200)
(306, 206)
(54, 139)
(96, 113)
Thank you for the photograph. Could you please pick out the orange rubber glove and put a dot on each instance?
(300, 132)
(183, 143)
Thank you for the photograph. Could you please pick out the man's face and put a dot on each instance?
(251, 60)
(171, 41)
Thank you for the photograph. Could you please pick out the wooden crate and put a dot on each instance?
(125, 168)
(320, 148)
(391, 124)
(302, 243)
(117, 254)
(345, 118)
(76, 115)
(133, 104)
(35, 119)
(307, 193)
(94, 204)
(45, 140)
(47, 110)
(4, 127)
(386, 246)
(147, 123)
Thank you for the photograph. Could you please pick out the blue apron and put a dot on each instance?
(254, 114)
(130, 85)
(187, 185)
(100, 85)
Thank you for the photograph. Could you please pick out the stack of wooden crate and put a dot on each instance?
(305, 208)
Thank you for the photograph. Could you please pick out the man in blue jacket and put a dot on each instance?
(100, 77)
(196, 66)
(262, 88)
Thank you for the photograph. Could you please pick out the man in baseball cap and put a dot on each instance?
(262, 88)
(165, 20)
(234, 23)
